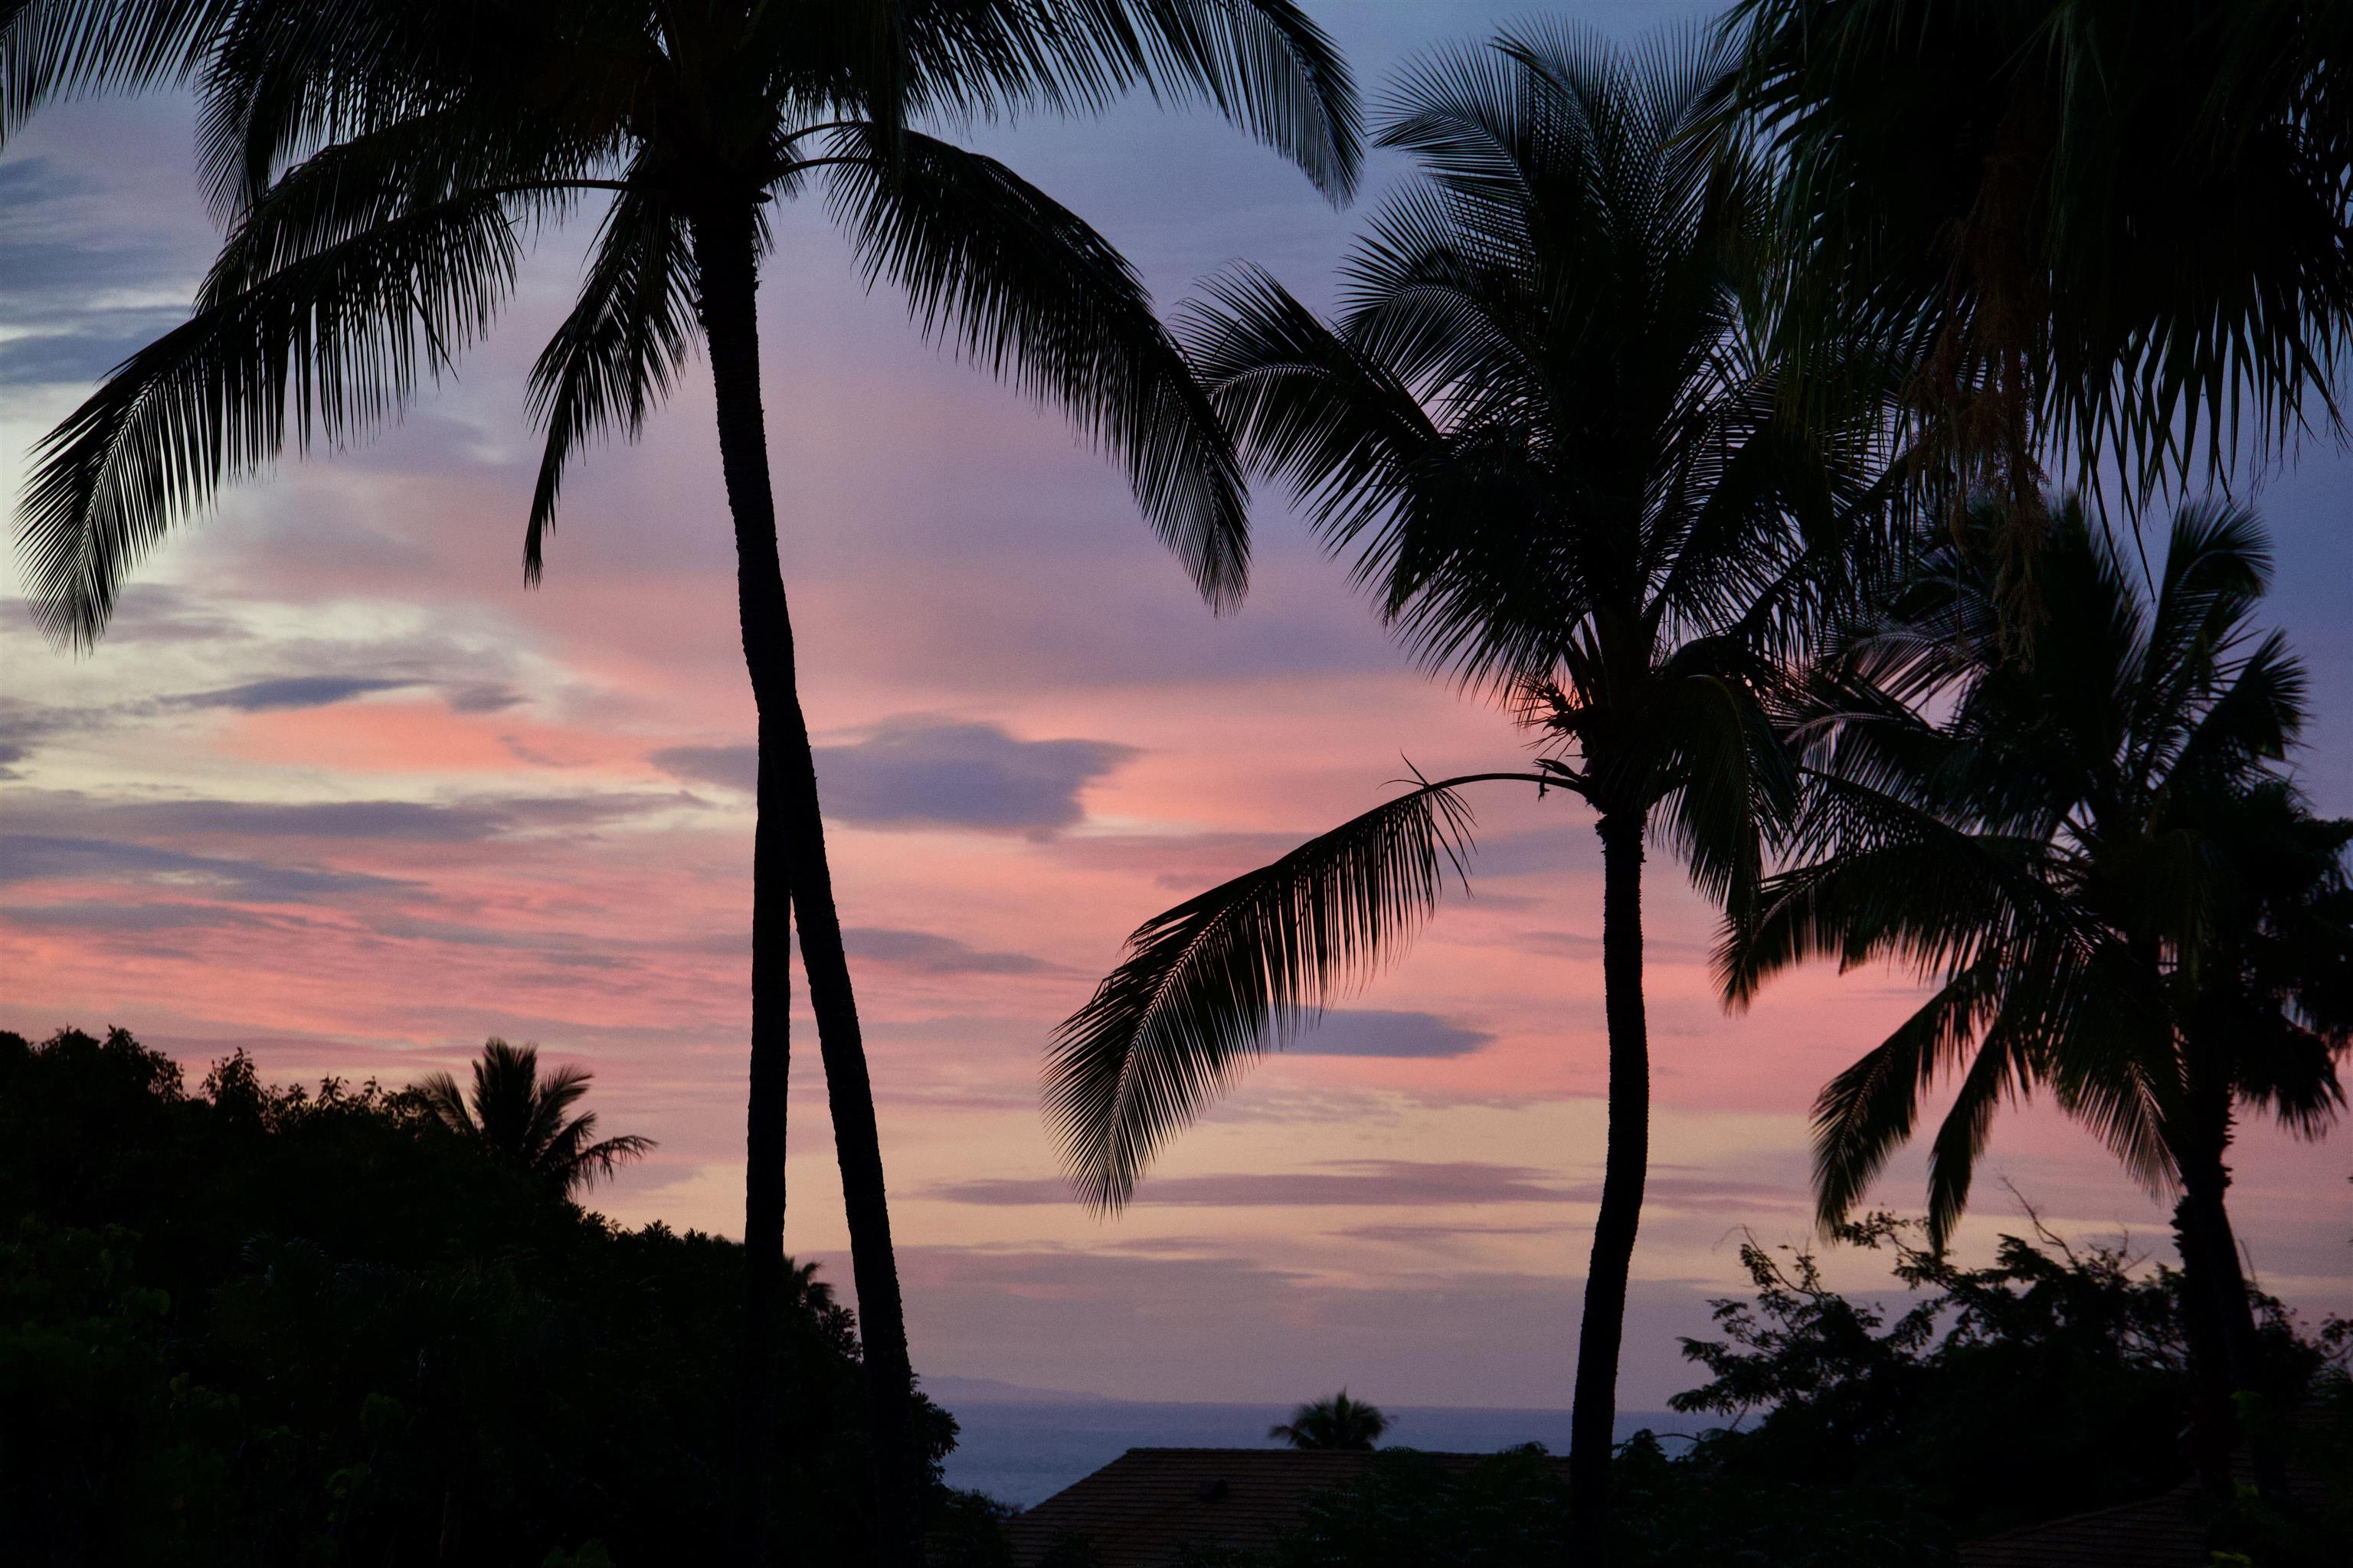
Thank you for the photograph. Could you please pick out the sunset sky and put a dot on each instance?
(337, 789)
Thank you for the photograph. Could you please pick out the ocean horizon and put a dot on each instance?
(1021, 1447)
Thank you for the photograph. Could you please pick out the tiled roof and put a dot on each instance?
(2165, 1532)
(1136, 1510)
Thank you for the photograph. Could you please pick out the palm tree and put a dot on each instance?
(2096, 860)
(2099, 233)
(382, 161)
(1541, 429)
(1338, 1423)
(526, 1121)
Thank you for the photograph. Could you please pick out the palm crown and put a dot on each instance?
(1543, 430)
(1998, 187)
(524, 1120)
(384, 165)
(1540, 429)
(2097, 861)
(1337, 1423)
(2065, 855)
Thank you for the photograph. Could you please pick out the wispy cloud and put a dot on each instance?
(724, 767)
(473, 820)
(28, 857)
(1379, 1031)
(919, 772)
(916, 772)
(292, 692)
(927, 952)
(1369, 1183)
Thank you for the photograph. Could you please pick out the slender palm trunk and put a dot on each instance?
(790, 878)
(2212, 1432)
(858, 1144)
(1593, 1421)
(2217, 1318)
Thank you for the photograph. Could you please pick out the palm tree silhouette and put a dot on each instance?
(1541, 429)
(384, 162)
(524, 1120)
(1981, 184)
(2097, 860)
(1337, 1423)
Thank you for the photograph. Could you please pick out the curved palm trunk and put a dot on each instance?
(790, 878)
(1593, 1419)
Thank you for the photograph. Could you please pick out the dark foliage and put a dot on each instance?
(1337, 1423)
(254, 1325)
(1511, 1511)
(2051, 1381)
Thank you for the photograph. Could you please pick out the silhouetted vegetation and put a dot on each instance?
(1338, 1421)
(251, 1325)
(2053, 1380)
(2096, 852)
(374, 231)
(1714, 407)
(524, 1120)
(1548, 437)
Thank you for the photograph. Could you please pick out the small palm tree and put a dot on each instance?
(1337, 1424)
(524, 1120)
(2096, 859)
(1541, 429)
(386, 163)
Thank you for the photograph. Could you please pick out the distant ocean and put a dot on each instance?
(1021, 1449)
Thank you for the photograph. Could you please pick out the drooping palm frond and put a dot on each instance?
(325, 346)
(1265, 65)
(1306, 405)
(615, 355)
(1032, 294)
(1211, 983)
(58, 49)
(2069, 851)
(446, 1103)
(1977, 182)
(1868, 1111)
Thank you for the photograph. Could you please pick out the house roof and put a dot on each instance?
(1136, 1510)
(2164, 1531)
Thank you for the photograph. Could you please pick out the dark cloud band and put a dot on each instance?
(930, 773)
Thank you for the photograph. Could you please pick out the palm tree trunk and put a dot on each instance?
(2218, 1320)
(2212, 1432)
(899, 1478)
(790, 876)
(1593, 1419)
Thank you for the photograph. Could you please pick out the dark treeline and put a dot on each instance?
(246, 1324)
(2053, 1380)
(268, 1325)
(1756, 416)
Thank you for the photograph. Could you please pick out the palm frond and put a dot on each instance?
(1265, 65)
(54, 50)
(1029, 291)
(1207, 984)
(1999, 1074)
(446, 1102)
(1305, 406)
(616, 354)
(1735, 784)
(327, 345)
(1866, 1113)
